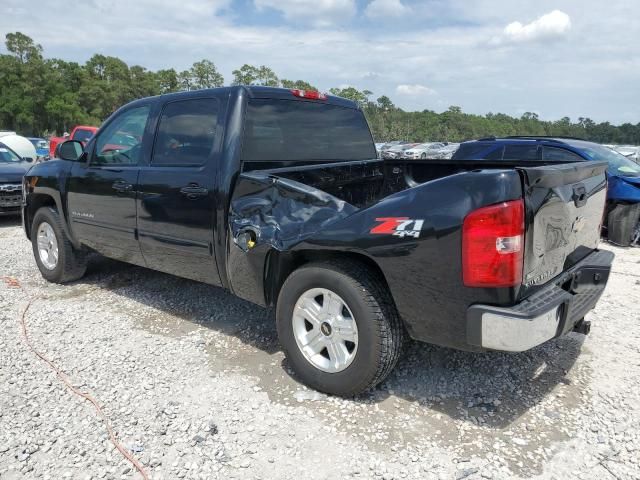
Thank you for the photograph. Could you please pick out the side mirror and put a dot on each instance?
(28, 159)
(71, 150)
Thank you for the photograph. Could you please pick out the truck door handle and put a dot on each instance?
(121, 186)
(193, 191)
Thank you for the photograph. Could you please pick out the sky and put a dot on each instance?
(575, 58)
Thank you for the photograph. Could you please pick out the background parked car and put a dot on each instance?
(81, 133)
(424, 150)
(19, 144)
(397, 151)
(12, 169)
(42, 148)
(629, 151)
(447, 151)
(622, 224)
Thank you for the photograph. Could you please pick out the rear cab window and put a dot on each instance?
(281, 133)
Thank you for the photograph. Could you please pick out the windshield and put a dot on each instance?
(618, 164)
(9, 156)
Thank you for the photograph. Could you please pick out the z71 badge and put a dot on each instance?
(398, 226)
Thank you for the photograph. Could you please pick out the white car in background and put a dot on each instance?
(447, 151)
(19, 144)
(630, 151)
(424, 150)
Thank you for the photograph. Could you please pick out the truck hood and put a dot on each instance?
(13, 173)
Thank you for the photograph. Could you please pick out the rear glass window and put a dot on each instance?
(297, 131)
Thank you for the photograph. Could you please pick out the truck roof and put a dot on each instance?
(256, 91)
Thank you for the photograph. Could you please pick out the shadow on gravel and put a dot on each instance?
(496, 387)
(7, 221)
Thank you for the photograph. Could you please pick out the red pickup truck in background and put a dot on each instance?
(81, 133)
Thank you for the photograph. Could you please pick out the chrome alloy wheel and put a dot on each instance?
(47, 246)
(325, 330)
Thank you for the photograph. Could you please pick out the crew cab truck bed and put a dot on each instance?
(277, 196)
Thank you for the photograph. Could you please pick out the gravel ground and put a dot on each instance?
(195, 386)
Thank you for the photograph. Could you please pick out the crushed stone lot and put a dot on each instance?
(196, 387)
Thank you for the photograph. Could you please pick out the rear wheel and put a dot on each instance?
(338, 326)
(623, 225)
(55, 256)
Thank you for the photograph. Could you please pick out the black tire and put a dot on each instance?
(423, 156)
(71, 264)
(380, 331)
(622, 222)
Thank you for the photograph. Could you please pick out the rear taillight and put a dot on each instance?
(310, 94)
(492, 245)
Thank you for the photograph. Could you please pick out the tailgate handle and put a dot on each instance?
(579, 195)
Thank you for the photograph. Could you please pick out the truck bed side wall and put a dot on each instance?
(421, 272)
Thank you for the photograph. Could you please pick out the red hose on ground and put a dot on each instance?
(12, 282)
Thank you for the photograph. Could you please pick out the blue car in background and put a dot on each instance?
(42, 148)
(622, 222)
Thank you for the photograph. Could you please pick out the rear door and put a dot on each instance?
(564, 209)
(176, 214)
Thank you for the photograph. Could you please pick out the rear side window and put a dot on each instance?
(186, 132)
(297, 131)
(560, 155)
(520, 152)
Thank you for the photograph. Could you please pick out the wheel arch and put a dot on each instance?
(279, 265)
(35, 202)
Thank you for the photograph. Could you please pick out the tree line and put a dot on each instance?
(40, 96)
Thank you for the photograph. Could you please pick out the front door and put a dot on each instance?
(102, 191)
(176, 190)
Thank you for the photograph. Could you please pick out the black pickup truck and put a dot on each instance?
(278, 196)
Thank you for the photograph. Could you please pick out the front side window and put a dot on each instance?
(186, 132)
(298, 131)
(120, 143)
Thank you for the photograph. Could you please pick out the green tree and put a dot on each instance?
(205, 75)
(251, 75)
(299, 84)
(40, 95)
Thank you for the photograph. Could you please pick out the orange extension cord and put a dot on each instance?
(12, 282)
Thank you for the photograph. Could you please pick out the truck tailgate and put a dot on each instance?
(564, 209)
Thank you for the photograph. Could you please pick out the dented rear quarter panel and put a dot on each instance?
(423, 272)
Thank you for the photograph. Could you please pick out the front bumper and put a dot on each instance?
(10, 199)
(550, 312)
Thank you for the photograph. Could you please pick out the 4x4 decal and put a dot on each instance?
(398, 226)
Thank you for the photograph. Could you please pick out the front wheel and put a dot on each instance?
(338, 327)
(55, 256)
